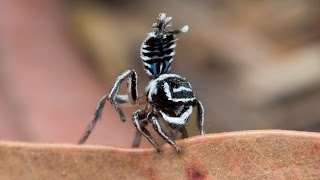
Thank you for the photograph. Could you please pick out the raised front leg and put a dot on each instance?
(115, 100)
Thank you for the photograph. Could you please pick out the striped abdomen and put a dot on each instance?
(157, 53)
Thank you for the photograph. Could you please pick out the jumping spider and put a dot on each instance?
(168, 96)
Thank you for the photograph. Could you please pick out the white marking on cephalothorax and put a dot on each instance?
(181, 88)
(168, 94)
(152, 84)
(177, 120)
(151, 87)
(165, 76)
(166, 89)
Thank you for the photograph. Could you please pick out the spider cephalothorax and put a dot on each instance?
(167, 96)
(172, 97)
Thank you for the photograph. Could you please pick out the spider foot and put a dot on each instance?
(178, 149)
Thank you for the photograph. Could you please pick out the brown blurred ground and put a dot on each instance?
(254, 64)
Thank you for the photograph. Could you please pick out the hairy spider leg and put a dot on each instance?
(184, 132)
(115, 100)
(132, 92)
(92, 123)
(200, 119)
(137, 138)
(173, 133)
(136, 118)
(153, 119)
(181, 30)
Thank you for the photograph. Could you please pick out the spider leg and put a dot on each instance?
(115, 100)
(184, 132)
(132, 91)
(137, 137)
(200, 115)
(92, 123)
(173, 133)
(136, 117)
(122, 99)
(184, 29)
(153, 119)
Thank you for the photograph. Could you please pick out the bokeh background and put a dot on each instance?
(253, 64)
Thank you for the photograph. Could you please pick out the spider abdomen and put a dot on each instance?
(157, 52)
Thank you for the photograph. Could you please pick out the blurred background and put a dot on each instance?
(253, 64)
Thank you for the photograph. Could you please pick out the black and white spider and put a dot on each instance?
(168, 96)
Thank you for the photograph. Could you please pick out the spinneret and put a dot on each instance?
(167, 96)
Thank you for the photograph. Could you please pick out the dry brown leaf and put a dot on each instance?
(263, 154)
